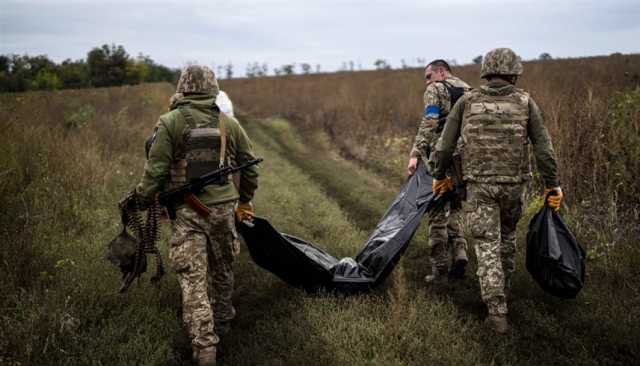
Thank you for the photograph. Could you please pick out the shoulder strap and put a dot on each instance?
(455, 92)
(223, 139)
(188, 117)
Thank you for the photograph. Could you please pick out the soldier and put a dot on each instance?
(445, 232)
(497, 122)
(191, 139)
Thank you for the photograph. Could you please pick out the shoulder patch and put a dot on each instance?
(432, 111)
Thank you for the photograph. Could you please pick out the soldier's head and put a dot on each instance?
(436, 70)
(197, 79)
(501, 63)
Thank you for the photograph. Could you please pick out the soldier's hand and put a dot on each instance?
(441, 186)
(411, 168)
(555, 198)
(244, 211)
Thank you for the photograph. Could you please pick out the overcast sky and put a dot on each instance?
(327, 32)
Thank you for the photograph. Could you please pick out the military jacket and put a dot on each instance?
(168, 142)
(437, 104)
(497, 123)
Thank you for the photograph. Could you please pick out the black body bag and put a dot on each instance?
(305, 265)
(555, 259)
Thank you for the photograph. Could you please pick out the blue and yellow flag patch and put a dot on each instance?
(432, 111)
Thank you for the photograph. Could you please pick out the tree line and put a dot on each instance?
(108, 65)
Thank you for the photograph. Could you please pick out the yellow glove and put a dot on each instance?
(244, 211)
(442, 186)
(554, 199)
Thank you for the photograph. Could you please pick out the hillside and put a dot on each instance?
(67, 157)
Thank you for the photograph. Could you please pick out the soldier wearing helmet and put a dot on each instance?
(498, 123)
(194, 138)
(446, 240)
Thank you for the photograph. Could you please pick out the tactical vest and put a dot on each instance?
(202, 150)
(495, 144)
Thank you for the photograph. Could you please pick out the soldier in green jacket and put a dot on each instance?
(194, 138)
(497, 123)
(446, 239)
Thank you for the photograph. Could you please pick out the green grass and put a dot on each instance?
(60, 186)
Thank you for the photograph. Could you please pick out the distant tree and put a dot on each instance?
(228, 68)
(46, 80)
(255, 69)
(381, 64)
(74, 74)
(105, 66)
(421, 61)
(477, 60)
(139, 70)
(404, 64)
(108, 65)
(545, 56)
(288, 69)
(351, 65)
(19, 73)
(317, 68)
(251, 71)
(4, 64)
(306, 68)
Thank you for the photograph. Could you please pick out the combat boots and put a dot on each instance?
(460, 261)
(204, 356)
(438, 275)
(498, 323)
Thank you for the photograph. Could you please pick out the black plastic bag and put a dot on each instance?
(555, 259)
(303, 264)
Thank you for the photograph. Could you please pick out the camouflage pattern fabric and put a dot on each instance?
(495, 141)
(197, 79)
(445, 236)
(164, 165)
(445, 231)
(436, 94)
(201, 252)
(493, 211)
(501, 61)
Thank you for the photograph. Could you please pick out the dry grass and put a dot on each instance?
(66, 158)
(373, 116)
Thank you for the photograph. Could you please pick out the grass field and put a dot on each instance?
(67, 157)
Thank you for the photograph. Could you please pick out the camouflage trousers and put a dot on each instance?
(202, 251)
(445, 236)
(493, 211)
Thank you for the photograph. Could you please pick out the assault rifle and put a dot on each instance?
(187, 193)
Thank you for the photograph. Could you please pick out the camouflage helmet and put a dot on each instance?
(197, 79)
(501, 61)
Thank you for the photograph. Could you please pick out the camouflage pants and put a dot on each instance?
(202, 251)
(445, 235)
(493, 211)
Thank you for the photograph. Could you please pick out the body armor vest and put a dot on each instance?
(202, 150)
(495, 144)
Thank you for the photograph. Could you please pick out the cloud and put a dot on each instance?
(327, 32)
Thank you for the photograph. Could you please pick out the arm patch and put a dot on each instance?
(432, 111)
